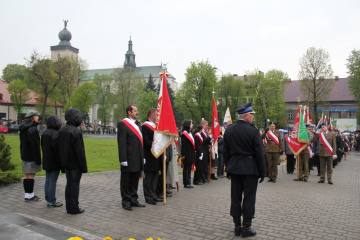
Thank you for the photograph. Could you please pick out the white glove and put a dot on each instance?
(317, 131)
(311, 155)
(144, 161)
(125, 164)
(334, 156)
(201, 157)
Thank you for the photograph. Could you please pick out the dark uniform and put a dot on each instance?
(131, 151)
(245, 163)
(206, 156)
(272, 152)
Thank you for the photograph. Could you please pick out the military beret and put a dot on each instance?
(245, 108)
(272, 123)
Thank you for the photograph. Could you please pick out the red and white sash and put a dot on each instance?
(134, 128)
(272, 136)
(190, 137)
(200, 138)
(326, 143)
(265, 141)
(150, 125)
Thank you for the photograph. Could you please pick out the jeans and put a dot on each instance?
(72, 189)
(220, 170)
(50, 186)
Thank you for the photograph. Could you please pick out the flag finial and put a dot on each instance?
(213, 93)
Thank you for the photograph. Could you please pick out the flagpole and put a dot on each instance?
(213, 96)
(164, 176)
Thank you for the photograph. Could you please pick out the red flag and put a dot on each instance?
(215, 128)
(165, 127)
(295, 146)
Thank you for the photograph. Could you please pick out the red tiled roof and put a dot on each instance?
(6, 95)
(340, 92)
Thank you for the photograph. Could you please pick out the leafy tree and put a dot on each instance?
(316, 77)
(15, 71)
(104, 96)
(150, 84)
(353, 66)
(19, 95)
(232, 93)
(83, 97)
(5, 164)
(43, 79)
(127, 88)
(147, 99)
(268, 92)
(194, 98)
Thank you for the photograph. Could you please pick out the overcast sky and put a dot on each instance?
(234, 35)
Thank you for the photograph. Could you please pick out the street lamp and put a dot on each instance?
(220, 99)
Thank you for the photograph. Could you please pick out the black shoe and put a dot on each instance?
(152, 202)
(33, 199)
(298, 179)
(188, 186)
(213, 177)
(168, 195)
(78, 212)
(129, 208)
(137, 204)
(318, 175)
(330, 182)
(168, 192)
(273, 181)
(246, 231)
(305, 180)
(199, 183)
(321, 181)
(270, 180)
(57, 204)
(205, 180)
(158, 199)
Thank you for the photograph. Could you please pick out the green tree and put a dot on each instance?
(147, 99)
(316, 77)
(127, 88)
(43, 79)
(19, 95)
(104, 96)
(14, 71)
(83, 97)
(232, 91)
(268, 92)
(6, 164)
(353, 66)
(150, 84)
(194, 98)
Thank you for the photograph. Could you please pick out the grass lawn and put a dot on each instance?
(101, 154)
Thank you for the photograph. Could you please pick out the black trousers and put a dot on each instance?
(243, 195)
(149, 185)
(198, 172)
(129, 182)
(187, 174)
(72, 189)
(160, 182)
(290, 163)
(204, 175)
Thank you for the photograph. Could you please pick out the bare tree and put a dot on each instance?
(316, 76)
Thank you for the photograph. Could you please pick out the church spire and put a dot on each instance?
(130, 56)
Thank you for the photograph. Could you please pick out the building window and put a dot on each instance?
(1, 96)
(352, 115)
(290, 115)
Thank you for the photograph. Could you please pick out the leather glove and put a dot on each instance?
(125, 164)
(228, 176)
(261, 179)
(266, 130)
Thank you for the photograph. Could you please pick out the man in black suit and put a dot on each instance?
(207, 140)
(245, 163)
(151, 167)
(131, 157)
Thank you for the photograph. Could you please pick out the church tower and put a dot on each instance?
(130, 57)
(64, 47)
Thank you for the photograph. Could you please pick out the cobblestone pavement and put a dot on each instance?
(284, 210)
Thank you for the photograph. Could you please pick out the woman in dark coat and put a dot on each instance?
(30, 153)
(199, 155)
(72, 156)
(187, 152)
(51, 158)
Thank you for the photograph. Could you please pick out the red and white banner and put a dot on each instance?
(215, 128)
(134, 128)
(326, 143)
(165, 127)
(273, 137)
(295, 146)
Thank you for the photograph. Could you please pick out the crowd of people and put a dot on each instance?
(244, 154)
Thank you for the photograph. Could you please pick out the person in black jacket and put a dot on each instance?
(199, 156)
(131, 157)
(72, 157)
(30, 153)
(151, 167)
(207, 140)
(220, 170)
(188, 152)
(51, 158)
(245, 163)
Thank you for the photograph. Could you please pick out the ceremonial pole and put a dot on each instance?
(164, 176)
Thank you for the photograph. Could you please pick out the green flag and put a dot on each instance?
(303, 136)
